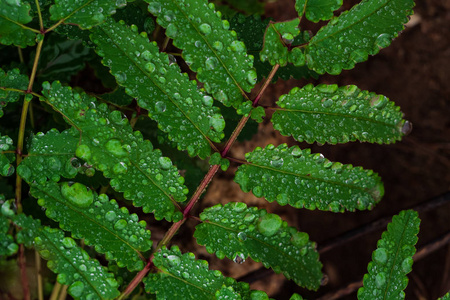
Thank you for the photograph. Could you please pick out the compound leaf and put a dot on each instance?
(316, 10)
(14, 14)
(180, 109)
(277, 37)
(181, 276)
(356, 34)
(209, 48)
(392, 259)
(237, 232)
(10, 84)
(6, 144)
(326, 113)
(301, 179)
(84, 13)
(50, 156)
(109, 144)
(99, 221)
(86, 278)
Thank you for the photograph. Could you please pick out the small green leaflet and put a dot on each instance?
(326, 113)
(445, 297)
(7, 244)
(356, 34)
(109, 144)
(209, 47)
(276, 40)
(14, 14)
(10, 83)
(98, 220)
(181, 276)
(179, 107)
(392, 259)
(316, 10)
(51, 156)
(237, 232)
(301, 179)
(84, 13)
(86, 278)
(6, 144)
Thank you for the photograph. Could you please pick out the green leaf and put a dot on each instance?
(326, 113)
(62, 58)
(84, 13)
(176, 104)
(99, 221)
(109, 144)
(238, 232)
(316, 10)
(14, 14)
(209, 48)
(392, 259)
(7, 244)
(251, 31)
(276, 40)
(51, 156)
(445, 297)
(296, 296)
(301, 179)
(356, 34)
(9, 83)
(117, 97)
(84, 275)
(6, 144)
(181, 276)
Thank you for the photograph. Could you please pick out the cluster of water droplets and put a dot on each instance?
(85, 277)
(278, 173)
(209, 48)
(354, 35)
(332, 114)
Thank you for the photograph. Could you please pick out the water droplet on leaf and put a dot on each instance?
(114, 146)
(165, 163)
(269, 224)
(76, 289)
(77, 194)
(380, 255)
(205, 28)
(83, 152)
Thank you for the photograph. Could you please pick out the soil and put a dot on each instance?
(414, 73)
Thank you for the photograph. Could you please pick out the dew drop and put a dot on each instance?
(114, 146)
(407, 264)
(257, 191)
(174, 260)
(121, 77)
(210, 63)
(218, 45)
(237, 46)
(239, 258)
(154, 8)
(208, 101)
(277, 162)
(380, 255)
(269, 224)
(160, 107)
(380, 279)
(252, 77)
(120, 224)
(217, 122)
(76, 289)
(68, 242)
(382, 41)
(299, 239)
(110, 216)
(165, 163)
(77, 194)
(242, 236)
(283, 199)
(205, 28)
(149, 67)
(172, 30)
(120, 168)
(185, 275)
(407, 128)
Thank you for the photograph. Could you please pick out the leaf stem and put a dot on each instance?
(39, 275)
(137, 279)
(38, 8)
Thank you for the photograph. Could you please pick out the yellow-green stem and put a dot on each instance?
(39, 275)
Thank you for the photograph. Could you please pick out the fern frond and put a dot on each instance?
(301, 179)
(181, 276)
(209, 48)
(180, 109)
(84, 13)
(13, 17)
(108, 143)
(9, 83)
(237, 232)
(96, 219)
(392, 259)
(86, 278)
(317, 10)
(356, 34)
(326, 113)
